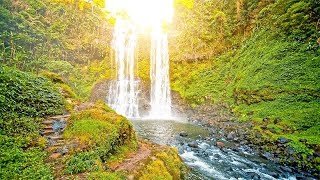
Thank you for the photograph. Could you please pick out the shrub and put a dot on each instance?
(81, 162)
(55, 78)
(156, 170)
(172, 162)
(167, 165)
(20, 126)
(19, 162)
(23, 94)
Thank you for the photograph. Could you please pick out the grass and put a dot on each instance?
(91, 132)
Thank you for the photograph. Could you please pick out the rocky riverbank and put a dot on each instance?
(231, 134)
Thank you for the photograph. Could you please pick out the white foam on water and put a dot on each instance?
(263, 175)
(194, 161)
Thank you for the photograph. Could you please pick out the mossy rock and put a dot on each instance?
(100, 129)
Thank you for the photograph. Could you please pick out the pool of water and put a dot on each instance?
(206, 160)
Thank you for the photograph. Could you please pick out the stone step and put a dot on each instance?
(47, 132)
(59, 117)
(55, 156)
(61, 141)
(48, 127)
(47, 122)
(55, 138)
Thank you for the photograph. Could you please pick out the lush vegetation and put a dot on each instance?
(260, 59)
(25, 99)
(61, 36)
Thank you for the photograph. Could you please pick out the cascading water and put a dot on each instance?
(123, 92)
(159, 75)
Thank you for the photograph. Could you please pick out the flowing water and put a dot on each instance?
(159, 75)
(123, 92)
(207, 160)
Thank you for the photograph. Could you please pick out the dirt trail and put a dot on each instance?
(133, 161)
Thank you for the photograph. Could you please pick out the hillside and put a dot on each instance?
(261, 62)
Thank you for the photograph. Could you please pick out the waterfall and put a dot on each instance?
(132, 16)
(123, 92)
(159, 75)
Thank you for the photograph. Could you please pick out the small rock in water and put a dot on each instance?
(183, 134)
(231, 136)
(300, 176)
(229, 169)
(217, 156)
(243, 142)
(283, 140)
(287, 169)
(274, 174)
(220, 144)
(193, 144)
(267, 155)
(253, 175)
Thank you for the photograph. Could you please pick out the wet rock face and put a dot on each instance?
(99, 91)
(285, 168)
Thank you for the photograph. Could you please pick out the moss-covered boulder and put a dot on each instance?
(99, 133)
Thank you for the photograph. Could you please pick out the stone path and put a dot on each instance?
(53, 128)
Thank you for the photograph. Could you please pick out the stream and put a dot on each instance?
(198, 150)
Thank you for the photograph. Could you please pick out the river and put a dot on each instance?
(207, 161)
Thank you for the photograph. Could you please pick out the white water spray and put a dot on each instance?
(123, 92)
(159, 75)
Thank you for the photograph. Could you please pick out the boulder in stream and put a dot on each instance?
(183, 134)
(220, 144)
(193, 144)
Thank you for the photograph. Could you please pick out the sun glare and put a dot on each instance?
(144, 13)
